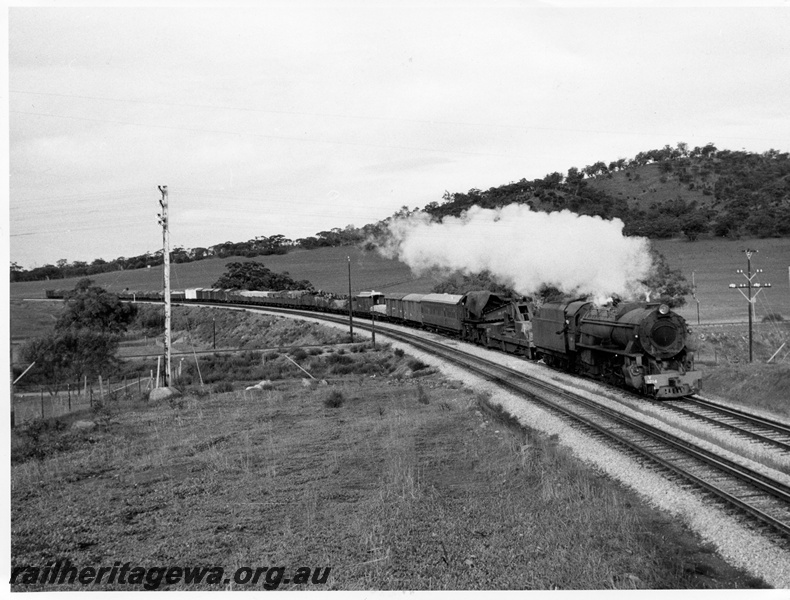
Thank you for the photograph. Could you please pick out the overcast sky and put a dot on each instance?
(295, 118)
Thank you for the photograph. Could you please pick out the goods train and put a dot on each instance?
(640, 346)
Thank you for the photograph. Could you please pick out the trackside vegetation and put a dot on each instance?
(395, 482)
(373, 464)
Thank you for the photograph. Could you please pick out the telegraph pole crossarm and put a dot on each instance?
(749, 286)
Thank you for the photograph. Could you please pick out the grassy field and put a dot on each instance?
(389, 475)
(390, 482)
(325, 268)
(713, 263)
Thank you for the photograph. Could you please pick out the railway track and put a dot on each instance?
(762, 499)
(757, 495)
(767, 432)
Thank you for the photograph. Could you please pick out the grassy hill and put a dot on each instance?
(325, 268)
(712, 262)
(646, 187)
(659, 194)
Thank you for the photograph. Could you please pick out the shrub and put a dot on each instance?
(298, 353)
(41, 438)
(417, 365)
(773, 318)
(399, 352)
(334, 399)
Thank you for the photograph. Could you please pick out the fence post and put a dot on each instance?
(68, 389)
(42, 402)
(90, 402)
(101, 390)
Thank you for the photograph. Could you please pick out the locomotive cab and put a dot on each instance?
(555, 329)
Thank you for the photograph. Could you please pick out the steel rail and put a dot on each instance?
(735, 428)
(727, 467)
(778, 426)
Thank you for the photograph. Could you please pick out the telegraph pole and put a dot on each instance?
(749, 286)
(163, 221)
(350, 308)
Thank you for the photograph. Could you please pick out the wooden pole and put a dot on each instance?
(158, 363)
(166, 256)
(373, 324)
(350, 304)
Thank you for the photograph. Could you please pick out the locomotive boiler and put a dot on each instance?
(646, 347)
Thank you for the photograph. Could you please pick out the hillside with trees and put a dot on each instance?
(659, 193)
(662, 193)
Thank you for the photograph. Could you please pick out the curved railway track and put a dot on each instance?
(750, 492)
(769, 432)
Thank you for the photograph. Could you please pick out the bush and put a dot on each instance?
(334, 399)
(417, 365)
(41, 438)
(773, 318)
(298, 354)
(399, 352)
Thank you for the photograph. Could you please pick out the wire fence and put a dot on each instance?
(27, 406)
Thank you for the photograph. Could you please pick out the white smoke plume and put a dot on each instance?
(525, 249)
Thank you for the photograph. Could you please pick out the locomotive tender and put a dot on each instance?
(640, 346)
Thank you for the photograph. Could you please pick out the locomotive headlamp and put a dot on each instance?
(663, 309)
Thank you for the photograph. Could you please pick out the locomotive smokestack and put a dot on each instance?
(577, 254)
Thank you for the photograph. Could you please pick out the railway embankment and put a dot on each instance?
(398, 478)
(393, 474)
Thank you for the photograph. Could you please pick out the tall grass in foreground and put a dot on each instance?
(391, 492)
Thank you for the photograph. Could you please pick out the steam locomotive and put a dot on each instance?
(641, 346)
(644, 347)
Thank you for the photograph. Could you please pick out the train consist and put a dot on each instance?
(640, 346)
